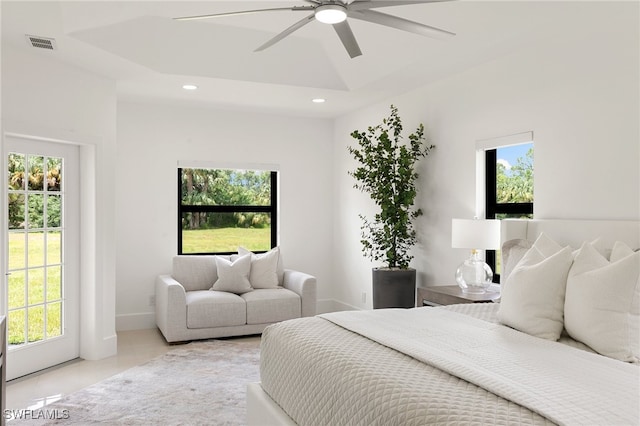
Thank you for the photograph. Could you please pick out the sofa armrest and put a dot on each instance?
(171, 306)
(304, 285)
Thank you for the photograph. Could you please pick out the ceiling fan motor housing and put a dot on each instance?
(331, 13)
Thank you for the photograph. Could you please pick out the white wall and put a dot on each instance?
(151, 141)
(577, 91)
(44, 98)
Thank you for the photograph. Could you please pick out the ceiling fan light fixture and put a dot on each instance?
(331, 13)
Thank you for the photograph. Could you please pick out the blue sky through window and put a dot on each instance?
(509, 155)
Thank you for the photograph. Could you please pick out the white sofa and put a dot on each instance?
(187, 309)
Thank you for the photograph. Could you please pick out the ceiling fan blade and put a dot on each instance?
(301, 23)
(399, 23)
(347, 38)
(244, 12)
(372, 4)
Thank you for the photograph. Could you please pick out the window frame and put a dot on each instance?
(272, 209)
(493, 208)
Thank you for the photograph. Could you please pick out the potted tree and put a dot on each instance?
(387, 173)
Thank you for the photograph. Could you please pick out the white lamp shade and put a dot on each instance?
(475, 234)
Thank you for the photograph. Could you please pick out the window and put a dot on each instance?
(509, 188)
(221, 209)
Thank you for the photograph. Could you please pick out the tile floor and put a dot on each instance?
(38, 389)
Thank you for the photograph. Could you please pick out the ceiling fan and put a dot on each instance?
(335, 13)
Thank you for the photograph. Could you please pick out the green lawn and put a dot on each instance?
(28, 301)
(225, 240)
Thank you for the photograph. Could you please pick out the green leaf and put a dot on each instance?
(387, 173)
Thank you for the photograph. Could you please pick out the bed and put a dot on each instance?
(475, 363)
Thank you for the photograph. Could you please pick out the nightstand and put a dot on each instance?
(451, 295)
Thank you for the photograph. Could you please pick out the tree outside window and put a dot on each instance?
(221, 209)
(514, 183)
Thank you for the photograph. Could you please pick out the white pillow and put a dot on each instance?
(533, 299)
(599, 302)
(619, 251)
(264, 267)
(233, 277)
(546, 245)
(512, 252)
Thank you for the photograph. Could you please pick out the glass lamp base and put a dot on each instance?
(474, 275)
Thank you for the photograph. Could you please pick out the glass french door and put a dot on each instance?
(41, 291)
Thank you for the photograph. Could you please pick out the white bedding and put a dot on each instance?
(564, 384)
(322, 374)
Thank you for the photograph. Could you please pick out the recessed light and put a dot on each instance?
(318, 100)
(189, 87)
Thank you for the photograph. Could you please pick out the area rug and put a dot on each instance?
(201, 383)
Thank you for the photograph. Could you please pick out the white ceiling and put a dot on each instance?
(151, 55)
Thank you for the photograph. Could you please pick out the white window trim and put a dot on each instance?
(515, 139)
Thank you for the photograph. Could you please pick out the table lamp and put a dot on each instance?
(474, 275)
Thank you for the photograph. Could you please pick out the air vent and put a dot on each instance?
(42, 42)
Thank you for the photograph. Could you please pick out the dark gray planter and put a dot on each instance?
(394, 288)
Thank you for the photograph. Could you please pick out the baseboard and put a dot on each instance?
(94, 350)
(141, 321)
(325, 306)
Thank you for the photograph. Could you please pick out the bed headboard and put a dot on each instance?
(573, 232)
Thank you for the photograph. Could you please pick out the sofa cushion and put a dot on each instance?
(209, 308)
(279, 266)
(271, 305)
(233, 275)
(195, 272)
(264, 267)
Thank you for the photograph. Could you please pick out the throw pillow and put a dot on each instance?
(233, 276)
(533, 299)
(546, 246)
(619, 251)
(599, 306)
(512, 252)
(264, 267)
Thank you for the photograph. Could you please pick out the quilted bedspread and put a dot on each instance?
(323, 374)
